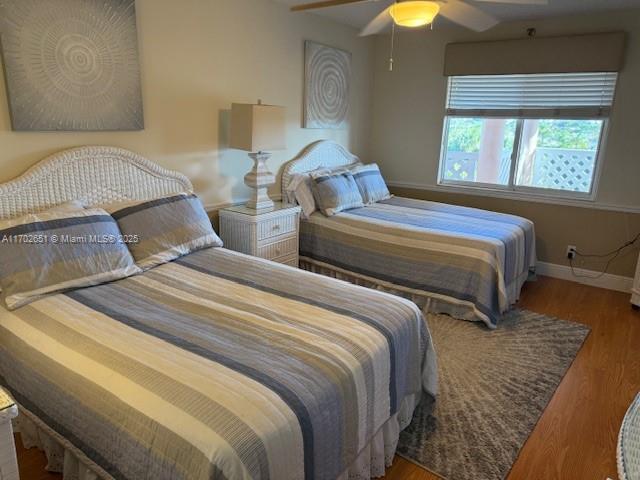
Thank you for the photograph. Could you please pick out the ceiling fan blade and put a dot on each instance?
(323, 4)
(519, 2)
(377, 24)
(467, 15)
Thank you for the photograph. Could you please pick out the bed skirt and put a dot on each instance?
(428, 302)
(63, 457)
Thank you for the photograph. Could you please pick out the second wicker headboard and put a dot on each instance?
(322, 154)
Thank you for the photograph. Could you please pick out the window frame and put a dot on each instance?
(520, 190)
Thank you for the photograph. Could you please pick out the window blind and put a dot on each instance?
(548, 95)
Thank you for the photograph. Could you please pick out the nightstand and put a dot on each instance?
(8, 462)
(270, 234)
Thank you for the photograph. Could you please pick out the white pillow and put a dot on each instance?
(299, 191)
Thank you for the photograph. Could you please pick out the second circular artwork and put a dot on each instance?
(327, 82)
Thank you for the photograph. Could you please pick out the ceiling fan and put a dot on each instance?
(419, 13)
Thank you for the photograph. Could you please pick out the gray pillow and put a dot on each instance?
(370, 183)
(335, 192)
(54, 251)
(63, 207)
(164, 229)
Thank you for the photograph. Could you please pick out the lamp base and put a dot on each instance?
(259, 179)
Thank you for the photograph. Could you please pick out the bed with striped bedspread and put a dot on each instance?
(467, 262)
(218, 366)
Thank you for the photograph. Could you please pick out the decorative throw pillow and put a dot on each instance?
(335, 192)
(54, 251)
(164, 229)
(370, 183)
(300, 190)
(63, 207)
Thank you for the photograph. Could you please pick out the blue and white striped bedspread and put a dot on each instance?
(218, 366)
(466, 256)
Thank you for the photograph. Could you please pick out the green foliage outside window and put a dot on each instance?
(464, 134)
(572, 134)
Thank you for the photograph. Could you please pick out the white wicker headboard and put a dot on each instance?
(95, 175)
(321, 154)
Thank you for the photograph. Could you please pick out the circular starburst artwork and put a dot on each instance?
(327, 72)
(71, 64)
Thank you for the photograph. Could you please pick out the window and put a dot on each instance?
(539, 134)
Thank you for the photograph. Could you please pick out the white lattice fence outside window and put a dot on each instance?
(461, 166)
(554, 168)
(563, 169)
(464, 166)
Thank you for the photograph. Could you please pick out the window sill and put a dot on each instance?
(517, 195)
(522, 192)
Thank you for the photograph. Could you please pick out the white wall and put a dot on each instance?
(410, 101)
(197, 57)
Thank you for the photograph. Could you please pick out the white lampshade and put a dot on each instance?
(257, 127)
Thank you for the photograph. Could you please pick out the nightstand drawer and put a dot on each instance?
(282, 248)
(277, 226)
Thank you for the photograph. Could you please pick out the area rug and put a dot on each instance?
(494, 386)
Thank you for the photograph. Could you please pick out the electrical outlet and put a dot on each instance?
(571, 252)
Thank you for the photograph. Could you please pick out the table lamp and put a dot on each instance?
(258, 129)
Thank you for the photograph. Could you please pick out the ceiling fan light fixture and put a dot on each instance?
(414, 13)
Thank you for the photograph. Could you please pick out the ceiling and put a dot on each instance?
(360, 14)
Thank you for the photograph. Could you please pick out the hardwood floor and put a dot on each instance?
(576, 436)
(32, 463)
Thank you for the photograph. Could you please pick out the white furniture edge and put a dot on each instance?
(635, 290)
(94, 174)
(621, 455)
(8, 460)
(236, 202)
(320, 154)
(253, 218)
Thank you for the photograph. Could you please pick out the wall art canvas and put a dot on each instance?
(327, 83)
(71, 65)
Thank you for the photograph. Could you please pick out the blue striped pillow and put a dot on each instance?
(371, 184)
(70, 206)
(166, 228)
(54, 251)
(336, 192)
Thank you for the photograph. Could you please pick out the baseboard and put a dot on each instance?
(608, 280)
